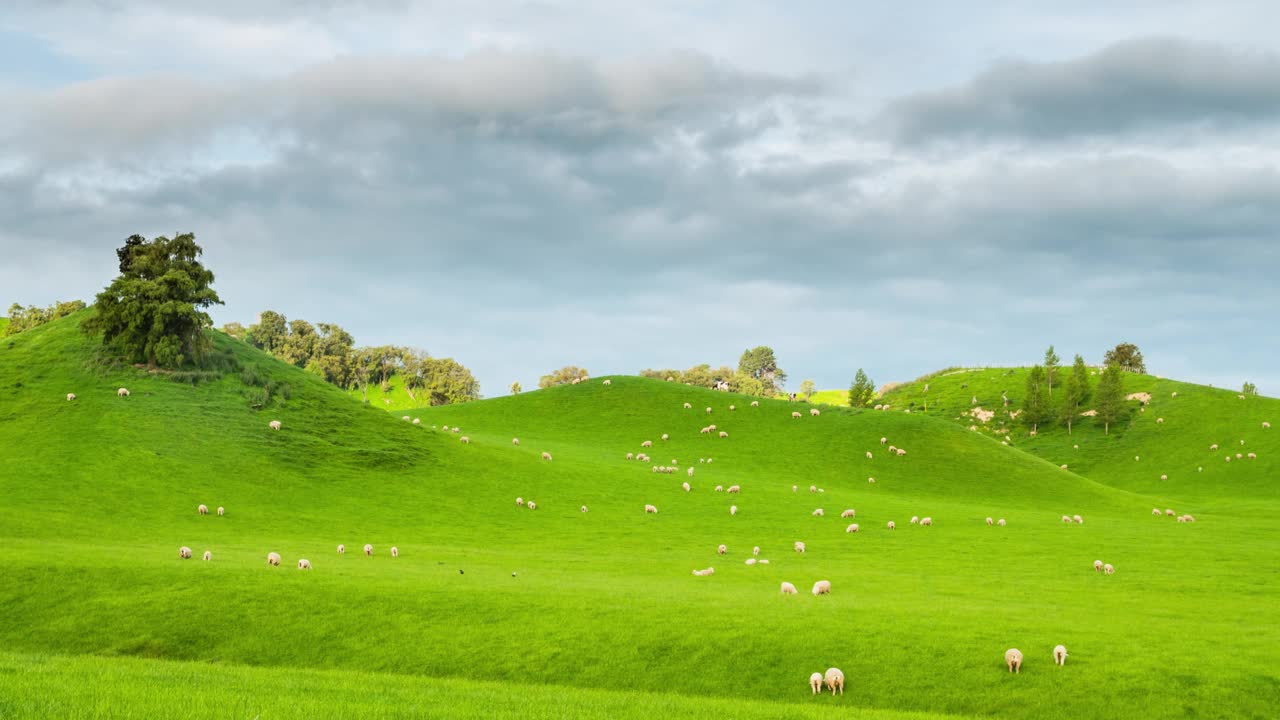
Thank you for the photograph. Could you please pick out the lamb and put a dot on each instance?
(273, 559)
(1156, 512)
(1013, 658)
(733, 509)
(203, 509)
(1000, 522)
(221, 511)
(184, 552)
(122, 392)
(274, 424)
(788, 588)
(815, 683)
(342, 549)
(1060, 651)
(650, 509)
(799, 546)
(722, 550)
(734, 489)
(848, 513)
(1097, 566)
(834, 680)
(546, 456)
(368, 550)
(208, 556)
(531, 505)
(304, 564)
(796, 415)
(891, 525)
(818, 513)
(465, 440)
(822, 587)
(813, 412)
(719, 488)
(71, 396)
(395, 551)
(1108, 569)
(852, 528)
(915, 519)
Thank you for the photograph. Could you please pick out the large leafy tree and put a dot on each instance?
(154, 311)
(443, 380)
(1076, 391)
(270, 332)
(1109, 398)
(1035, 404)
(760, 363)
(807, 389)
(563, 376)
(862, 390)
(1127, 356)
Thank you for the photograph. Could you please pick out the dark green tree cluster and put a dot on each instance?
(862, 390)
(154, 311)
(24, 318)
(1038, 404)
(1249, 389)
(760, 364)
(1127, 356)
(563, 376)
(704, 375)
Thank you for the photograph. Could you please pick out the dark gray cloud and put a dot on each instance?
(1133, 86)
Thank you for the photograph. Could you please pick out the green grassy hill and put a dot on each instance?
(594, 613)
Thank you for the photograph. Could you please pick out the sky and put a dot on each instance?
(622, 185)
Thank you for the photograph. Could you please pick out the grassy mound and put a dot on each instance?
(571, 607)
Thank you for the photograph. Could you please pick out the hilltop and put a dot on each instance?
(553, 606)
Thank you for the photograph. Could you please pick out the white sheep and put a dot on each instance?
(815, 683)
(368, 550)
(221, 511)
(818, 513)
(417, 421)
(184, 552)
(891, 525)
(519, 501)
(722, 550)
(122, 392)
(304, 564)
(1265, 425)
(719, 488)
(1066, 518)
(813, 488)
(607, 382)
(990, 521)
(273, 559)
(1013, 658)
(884, 440)
(755, 550)
(822, 587)
(1156, 512)
(531, 505)
(1159, 421)
(395, 551)
(848, 513)
(926, 521)
(708, 411)
(686, 486)
(1108, 569)
(546, 456)
(1169, 512)
(650, 509)
(834, 680)
(342, 549)
(799, 546)
(868, 454)
(465, 440)
(871, 480)
(1164, 477)
(689, 471)
(899, 452)
(813, 412)
(1079, 520)
(733, 509)
(788, 588)
(1097, 566)
(1000, 522)
(724, 434)
(687, 406)
(1060, 651)
(71, 396)
(516, 442)
(665, 436)
(274, 424)
(796, 415)
(749, 561)
(915, 519)
(646, 444)
(203, 509)
(1213, 446)
(405, 418)
(852, 528)
(582, 509)
(704, 573)
(734, 489)
(755, 403)
(1190, 518)
(208, 556)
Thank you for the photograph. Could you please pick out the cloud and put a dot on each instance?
(1134, 86)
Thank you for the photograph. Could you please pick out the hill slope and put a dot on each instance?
(100, 492)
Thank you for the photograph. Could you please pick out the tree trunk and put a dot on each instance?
(1106, 428)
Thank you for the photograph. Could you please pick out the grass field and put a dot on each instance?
(493, 610)
(830, 397)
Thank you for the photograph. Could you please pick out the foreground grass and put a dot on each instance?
(565, 608)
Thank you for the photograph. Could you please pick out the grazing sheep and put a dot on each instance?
(722, 550)
(304, 564)
(686, 487)
(1066, 518)
(1173, 394)
(813, 412)
(755, 403)
(1159, 421)
(465, 440)
(755, 550)
(834, 680)
(796, 415)
(631, 456)
(1182, 518)
(749, 561)
(687, 406)
(1108, 569)
(1136, 458)
(822, 587)
(734, 489)
(868, 454)
(884, 440)
(1252, 456)
(531, 505)
(405, 418)
(900, 452)
(1169, 512)
(724, 434)
(815, 683)
(1190, 518)
(274, 424)
(926, 521)
(891, 525)
(221, 511)
(368, 550)
(519, 501)
(342, 549)
(395, 551)
(273, 559)
(1097, 566)
(848, 513)
(871, 480)
(709, 460)
(665, 436)
(607, 382)
(1062, 467)
(546, 456)
(689, 472)
(704, 573)
(1060, 651)
(788, 588)
(990, 521)
(1213, 446)
(208, 556)
(799, 546)
(915, 519)
(1013, 658)
(1079, 520)
(708, 411)
(719, 488)
(732, 408)
(852, 528)
(582, 509)
(203, 509)
(184, 552)
(417, 421)
(1164, 477)
(122, 392)
(516, 442)
(813, 488)
(71, 396)
(650, 509)
(646, 444)
(733, 509)
(1265, 425)
(818, 513)
(1000, 522)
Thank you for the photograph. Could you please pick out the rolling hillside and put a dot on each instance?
(495, 610)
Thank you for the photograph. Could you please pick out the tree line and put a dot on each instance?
(757, 374)
(24, 318)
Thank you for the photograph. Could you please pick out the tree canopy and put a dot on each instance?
(1109, 397)
(862, 390)
(563, 376)
(24, 318)
(1035, 404)
(1127, 357)
(154, 311)
(761, 364)
(1076, 392)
